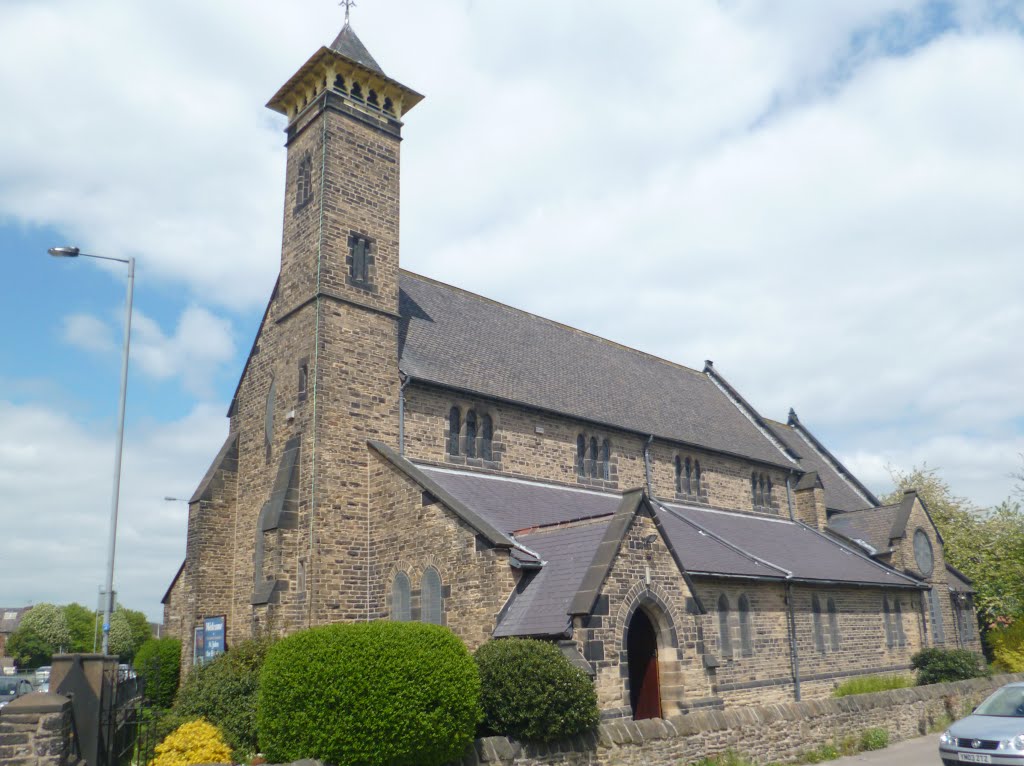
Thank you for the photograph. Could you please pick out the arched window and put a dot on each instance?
(724, 639)
(593, 457)
(900, 638)
(746, 639)
(400, 589)
(581, 456)
(339, 84)
(753, 489)
(688, 485)
(606, 459)
(696, 477)
(486, 438)
(768, 491)
(887, 621)
(454, 426)
(430, 597)
(304, 183)
(819, 634)
(679, 475)
(471, 433)
(833, 623)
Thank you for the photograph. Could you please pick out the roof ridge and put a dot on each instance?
(555, 323)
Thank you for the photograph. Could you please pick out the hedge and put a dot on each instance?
(158, 662)
(935, 665)
(530, 691)
(402, 694)
(224, 693)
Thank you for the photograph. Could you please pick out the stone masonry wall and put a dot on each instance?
(411, 532)
(773, 733)
(37, 730)
(542, 446)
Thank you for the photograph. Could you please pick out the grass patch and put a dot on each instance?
(871, 684)
(874, 739)
(727, 759)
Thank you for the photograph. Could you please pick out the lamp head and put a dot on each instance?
(64, 252)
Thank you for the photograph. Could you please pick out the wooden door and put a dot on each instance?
(642, 654)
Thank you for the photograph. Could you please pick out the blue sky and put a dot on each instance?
(822, 198)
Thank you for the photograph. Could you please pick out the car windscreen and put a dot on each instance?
(1008, 701)
(7, 688)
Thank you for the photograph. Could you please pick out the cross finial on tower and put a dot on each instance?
(349, 5)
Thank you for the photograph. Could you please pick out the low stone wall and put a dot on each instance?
(36, 730)
(773, 733)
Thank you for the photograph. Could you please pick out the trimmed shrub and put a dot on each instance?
(395, 693)
(935, 665)
(530, 691)
(158, 662)
(1007, 645)
(192, 743)
(224, 693)
(871, 684)
(874, 739)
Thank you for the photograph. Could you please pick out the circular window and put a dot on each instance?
(923, 552)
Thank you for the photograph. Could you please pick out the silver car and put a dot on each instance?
(993, 733)
(12, 688)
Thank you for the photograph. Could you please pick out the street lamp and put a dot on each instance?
(108, 606)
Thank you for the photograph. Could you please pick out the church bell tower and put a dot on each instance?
(335, 312)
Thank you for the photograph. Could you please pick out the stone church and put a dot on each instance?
(402, 449)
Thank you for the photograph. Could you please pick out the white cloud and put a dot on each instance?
(55, 494)
(195, 352)
(88, 332)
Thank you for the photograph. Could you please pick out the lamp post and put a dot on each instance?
(108, 605)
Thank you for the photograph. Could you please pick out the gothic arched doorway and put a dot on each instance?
(642, 656)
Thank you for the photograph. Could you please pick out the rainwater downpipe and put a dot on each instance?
(789, 496)
(794, 655)
(647, 464)
(404, 381)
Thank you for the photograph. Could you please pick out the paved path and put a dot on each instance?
(922, 751)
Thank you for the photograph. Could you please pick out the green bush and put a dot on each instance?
(224, 693)
(530, 691)
(158, 662)
(730, 758)
(401, 694)
(874, 739)
(936, 665)
(871, 684)
(1007, 646)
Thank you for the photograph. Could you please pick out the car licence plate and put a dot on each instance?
(975, 758)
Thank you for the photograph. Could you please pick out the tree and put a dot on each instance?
(42, 633)
(987, 546)
(82, 625)
(128, 631)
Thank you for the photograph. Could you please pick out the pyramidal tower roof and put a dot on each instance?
(348, 44)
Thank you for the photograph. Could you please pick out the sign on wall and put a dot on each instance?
(208, 640)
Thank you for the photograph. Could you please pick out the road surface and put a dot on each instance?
(922, 751)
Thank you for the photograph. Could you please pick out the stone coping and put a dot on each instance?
(36, 702)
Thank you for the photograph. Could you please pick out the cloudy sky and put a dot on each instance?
(824, 198)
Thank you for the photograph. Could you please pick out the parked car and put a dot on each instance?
(42, 674)
(993, 733)
(12, 688)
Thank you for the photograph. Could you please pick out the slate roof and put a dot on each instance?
(839, 494)
(872, 525)
(759, 546)
(10, 617)
(463, 341)
(348, 44)
(540, 604)
(513, 505)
